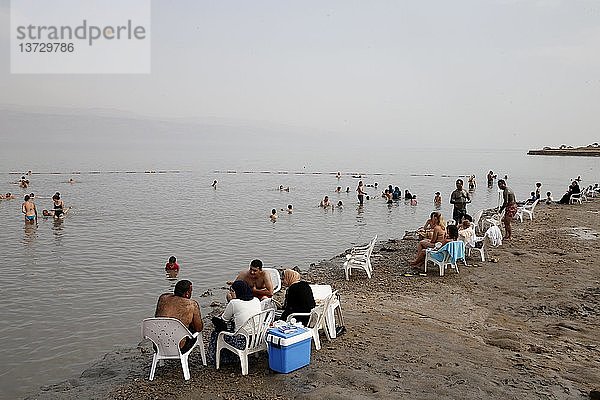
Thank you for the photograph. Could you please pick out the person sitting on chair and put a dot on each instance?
(242, 306)
(438, 235)
(179, 305)
(258, 280)
(298, 296)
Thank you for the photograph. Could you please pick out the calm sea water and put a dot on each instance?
(73, 290)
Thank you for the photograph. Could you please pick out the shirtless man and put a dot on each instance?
(29, 210)
(257, 279)
(459, 198)
(180, 305)
(509, 206)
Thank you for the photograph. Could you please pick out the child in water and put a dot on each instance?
(172, 264)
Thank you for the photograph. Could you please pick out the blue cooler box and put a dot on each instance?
(288, 350)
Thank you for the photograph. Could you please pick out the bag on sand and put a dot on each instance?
(219, 324)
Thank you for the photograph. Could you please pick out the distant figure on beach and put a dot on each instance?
(549, 199)
(258, 280)
(298, 296)
(407, 195)
(7, 196)
(427, 229)
(340, 205)
(509, 206)
(538, 190)
(573, 189)
(338, 175)
(438, 234)
(459, 198)
(347, 189)
(338, 189)
(28, 208)
(179, 305)
(172, 264)
(71, 180)
(472, 183)
(413, 201)
(490, 178)
(360, 193)
(437, 200)
(29, 172)
(289, 209)
(273, 215)
(532, 198)
(325, 202)
(284, 189)
(214, 184)
(396, 194)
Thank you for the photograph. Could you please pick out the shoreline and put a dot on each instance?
(521, 327)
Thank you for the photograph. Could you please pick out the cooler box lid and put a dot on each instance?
(286, 336)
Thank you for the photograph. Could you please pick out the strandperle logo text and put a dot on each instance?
(85, 31)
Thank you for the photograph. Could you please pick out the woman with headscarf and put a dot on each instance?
(298, 296)
(240, 308)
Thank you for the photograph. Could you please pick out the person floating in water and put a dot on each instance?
(172, 264)
(29, 210)
(325, 202)
(289, 209)
(214, 184)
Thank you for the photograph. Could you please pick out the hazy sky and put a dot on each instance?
(508, 73)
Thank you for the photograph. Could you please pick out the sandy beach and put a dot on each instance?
(523, 325)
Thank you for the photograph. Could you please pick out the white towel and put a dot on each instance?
(495, 235)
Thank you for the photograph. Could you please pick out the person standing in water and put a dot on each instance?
(58, 205)
(360, 192)
(214, 184)
(29, 210)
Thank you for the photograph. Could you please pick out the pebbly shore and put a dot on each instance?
(523, 324)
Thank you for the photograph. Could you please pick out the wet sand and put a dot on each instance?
(526, 326)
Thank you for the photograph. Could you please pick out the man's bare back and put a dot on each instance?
(185, 310)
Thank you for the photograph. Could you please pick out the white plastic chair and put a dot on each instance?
(480, 250)
(255, 332)
(360, 257)
(320, 294)
(526, 209)
(166, 333)
(275, 278)
(443, 258)
(316, 320)
(477, 220)
(575, 198)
